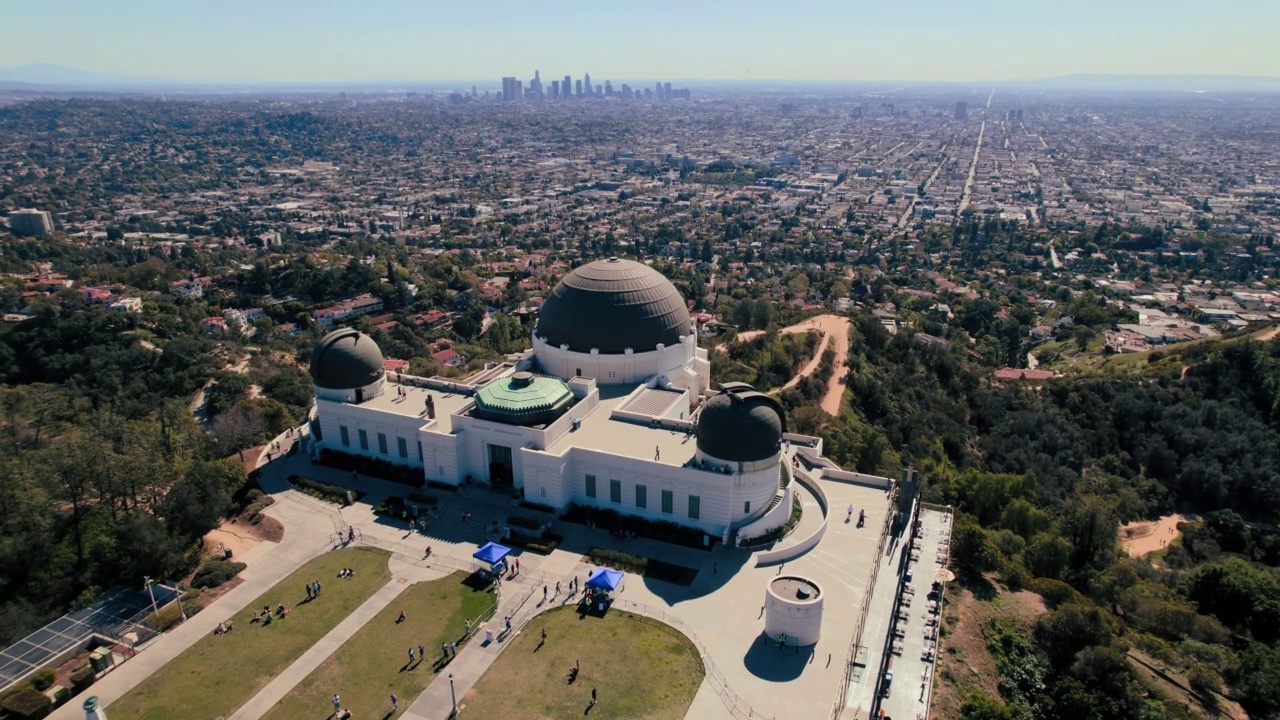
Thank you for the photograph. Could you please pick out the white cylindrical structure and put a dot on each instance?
(793, 608)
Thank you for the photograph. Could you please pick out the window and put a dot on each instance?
(591, 486)
(403, 447)
(364, 440)
(615, 491)
(315, 430)
(695, 507)
(346, 437)
(642, 499)
(746, 508)
(542, 491)
(668, 500)
(382, 443)
(420, 451)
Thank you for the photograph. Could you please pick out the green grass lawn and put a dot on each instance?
(374, 662)
(218, 674)
(640, 668)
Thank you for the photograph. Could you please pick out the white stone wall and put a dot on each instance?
(679, 363)
(368, 392)
(332, 415)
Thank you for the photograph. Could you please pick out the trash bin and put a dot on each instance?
(488, 635)
(226, 553)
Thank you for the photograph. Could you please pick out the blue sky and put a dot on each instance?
(354, 40)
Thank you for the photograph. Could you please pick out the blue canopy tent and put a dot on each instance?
(605, 579)
(493, 555)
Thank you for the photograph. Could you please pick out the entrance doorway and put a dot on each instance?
(501, 473)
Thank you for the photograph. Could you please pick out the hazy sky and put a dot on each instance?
(346, 40)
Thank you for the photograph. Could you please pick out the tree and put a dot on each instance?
(980, 707)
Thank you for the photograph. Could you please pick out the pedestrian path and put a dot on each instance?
(318, 653)
(436, 702)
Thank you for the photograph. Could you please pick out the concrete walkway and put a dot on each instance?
(403, 575)
(267, 564)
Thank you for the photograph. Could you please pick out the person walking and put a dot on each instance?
(557, 588)
(395, 702)
(422, 653)
(453, 649)
(544, 634)
(544, 593)
(593, 696)
(337, 702)
(308, 591)
(410, 656)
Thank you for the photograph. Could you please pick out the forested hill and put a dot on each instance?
(1202, 434)
(1042, 478)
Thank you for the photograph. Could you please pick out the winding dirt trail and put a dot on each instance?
(830, 326)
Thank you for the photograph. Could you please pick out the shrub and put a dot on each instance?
(323, 490)
(442, 486)
(537, 506)
(654, 569)
(544, 544)
(424, 499)
(1054, 592)
(44, 679)
(81, 678)
(375, 467)
(661, 530)
(27, 704)
(166, 618)
(524, 522)
(216, 572)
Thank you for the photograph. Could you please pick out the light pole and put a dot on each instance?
(146, 579)
(453, 696)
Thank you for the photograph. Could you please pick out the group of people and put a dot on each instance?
(265, 617)
(344, 573)
(313, 589)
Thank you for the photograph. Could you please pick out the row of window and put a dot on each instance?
(402, 445)
(642, 498)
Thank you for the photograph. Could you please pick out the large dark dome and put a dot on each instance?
(613, 305)
(346, 359)
(740, 424)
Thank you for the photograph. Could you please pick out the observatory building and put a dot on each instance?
(613, 407)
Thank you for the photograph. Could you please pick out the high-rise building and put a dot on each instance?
(555, 89)
(666, 91)
(626, 91)
(657, 91)
(578, 87)
(586, 82)
(608, 88)
(566, 87)
(508, 88)
(30, 222)
(962, 110)
(535, 86)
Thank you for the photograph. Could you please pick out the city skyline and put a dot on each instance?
(287, 41)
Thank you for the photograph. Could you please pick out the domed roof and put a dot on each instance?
(613, 305)
(740, 424)
(346, 359)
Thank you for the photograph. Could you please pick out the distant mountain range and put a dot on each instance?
(49, 77)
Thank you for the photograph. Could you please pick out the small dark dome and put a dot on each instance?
(740, 424)
(613, 305)
(346, 359)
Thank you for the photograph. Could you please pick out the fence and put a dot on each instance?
(851, 656)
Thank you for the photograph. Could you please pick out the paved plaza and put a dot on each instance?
(722, 610)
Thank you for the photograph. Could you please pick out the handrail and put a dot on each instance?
(851, 655)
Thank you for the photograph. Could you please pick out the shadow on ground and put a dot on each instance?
(767, 661)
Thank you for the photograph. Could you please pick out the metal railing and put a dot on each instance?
(851, 655)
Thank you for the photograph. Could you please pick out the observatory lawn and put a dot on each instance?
(639, 667)
(374, 663)
(218, 674)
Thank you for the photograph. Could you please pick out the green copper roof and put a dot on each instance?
(524, 399)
